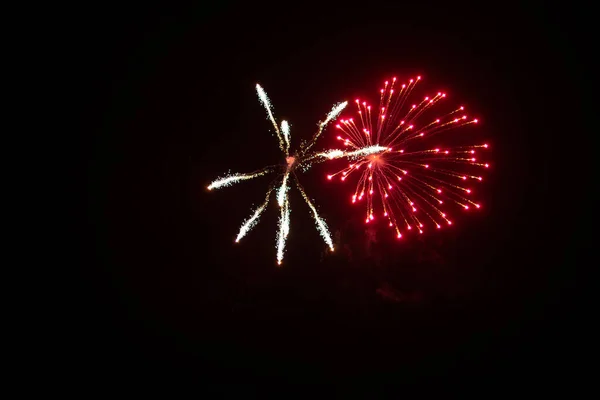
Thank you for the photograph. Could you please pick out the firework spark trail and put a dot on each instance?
(264, 99)
(409, 182)
(333, 154)
(333, 114)
(321, 225)
(285, 128)
(235, 178)
(284, 228)
(252, 221)
(282, 192)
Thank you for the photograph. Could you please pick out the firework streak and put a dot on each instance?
(412, 179)
(286, 173)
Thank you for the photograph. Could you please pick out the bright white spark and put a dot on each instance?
(232, 179)
(286, 226)
(337, 109)
(321, 225)
(285, 128)
(283, 189)
(284, 229)
(262, 95)
(331, 154)
(252, 221)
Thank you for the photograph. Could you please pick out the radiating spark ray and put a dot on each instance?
(321, 225)
(264, 99)
(333, 154)
(284, 228)
(335, 111)
(285, 128)
(282, 192)
(253, 220)
(235, 178)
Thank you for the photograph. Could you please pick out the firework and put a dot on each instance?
(415, 176)
(285, 173)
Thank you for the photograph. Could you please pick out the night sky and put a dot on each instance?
(169, 103)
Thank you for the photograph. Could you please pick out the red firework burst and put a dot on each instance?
(417, 176)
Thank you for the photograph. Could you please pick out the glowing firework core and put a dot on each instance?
(290, 162)
(376, 160)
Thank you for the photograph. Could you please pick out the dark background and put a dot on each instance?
(168, 104)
